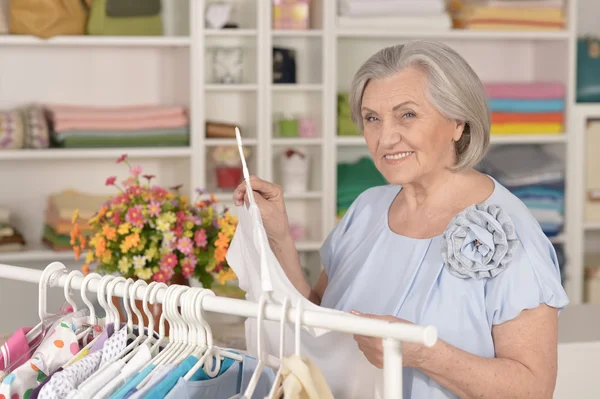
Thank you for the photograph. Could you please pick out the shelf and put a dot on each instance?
(528, 138)
(85, 153)
(559, 239)
(592, 226)
(216, 142)
(36, 254)
(296, 87)
(297, 33)
(308, 246)
(461, 34)
(230, 32)
(283, 141)
(301, 196)
(96, 41)
(495, 139)
(231, 87)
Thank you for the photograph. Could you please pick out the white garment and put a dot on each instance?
(348, 373)
(134, 365)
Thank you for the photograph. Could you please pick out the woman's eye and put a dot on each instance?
(370, 118)
(409, 115)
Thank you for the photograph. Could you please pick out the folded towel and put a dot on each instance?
(525, 91)
(525, 23)
(515, 105)
(518, 13)
(375, 8)
(526, 128)
(433, 22)
(499, 26)
(135, 124)
(177, 131)
(526, 3)
(522, 117)
(73, 112)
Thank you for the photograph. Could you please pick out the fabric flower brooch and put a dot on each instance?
(479, 242)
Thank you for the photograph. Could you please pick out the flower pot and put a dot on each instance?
(294, 167)
(228, 177)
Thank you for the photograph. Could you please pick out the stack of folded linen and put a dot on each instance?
(536, 177)
(518, 15)
(58, 216)
(395, 14)
(345, 126)
(526, 108)
(10, 238)
(126, 126)
(352, 179)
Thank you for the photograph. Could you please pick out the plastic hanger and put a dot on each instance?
(110, 289)
(183, 351)
(49, 272)
(276, 388)
(68, 291)
(161, 322)
(261, 362)
(206, 349)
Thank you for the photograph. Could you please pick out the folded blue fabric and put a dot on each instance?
(509, 105)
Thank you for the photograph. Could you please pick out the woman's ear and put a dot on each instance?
(459, 129)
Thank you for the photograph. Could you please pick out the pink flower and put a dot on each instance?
(129, 182)
(178, 230)
(135, 216)
(180, 216)
(200, 238)
(168, 261)
(135, 191)
(185, 245)
(122, 158)
(136, 170)
(120, 200)
(116, 219)
(159, 192)
(188, 265)
(111, 181)
(154, 208)
(162, 276)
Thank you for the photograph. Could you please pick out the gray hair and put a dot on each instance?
(454, 89)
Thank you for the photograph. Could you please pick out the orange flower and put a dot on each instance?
(100, 246)
(103, 210)
(132, 240)
(213, 199)
(74, 234)
(110, 232)
(82, 242)
(220, 254)
(222, 241)
(77, 252)
(85, 269)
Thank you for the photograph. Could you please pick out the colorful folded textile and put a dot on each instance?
(516, 105)
(526, 128)
(525, 91)
(522, 117)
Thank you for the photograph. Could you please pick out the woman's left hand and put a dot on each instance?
(372, 347)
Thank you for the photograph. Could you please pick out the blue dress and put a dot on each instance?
(492, 262)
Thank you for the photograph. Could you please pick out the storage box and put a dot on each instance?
(291, 14)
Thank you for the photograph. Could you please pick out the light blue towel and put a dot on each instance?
(508, 105)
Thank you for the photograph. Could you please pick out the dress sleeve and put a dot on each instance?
(532, 278)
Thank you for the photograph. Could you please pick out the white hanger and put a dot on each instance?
(47, 274)
(110, 289)
(298, 325)
(161, 322)
(186, 349)
(205, 351)
(276, 388)
(68, 291)
(261, 362)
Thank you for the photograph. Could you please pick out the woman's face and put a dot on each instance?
(407, 137)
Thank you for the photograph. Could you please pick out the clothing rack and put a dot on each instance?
(391, 333)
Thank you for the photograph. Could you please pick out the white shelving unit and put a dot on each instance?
(178, 70)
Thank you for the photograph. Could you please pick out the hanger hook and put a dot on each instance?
(161, 326)
(132, 302)
(109, 293)
(145, 306)
(84, 297)
(101, 295)
(284, 308)
(45, 280)
(68, 291)
(126, 304)
(260, 317)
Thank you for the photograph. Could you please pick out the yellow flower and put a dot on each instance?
(75, 216)
(155, 269)
(132, 240)
(188, 234)
(162, 225)
(225, 275)
(144, 273)
(137, 230)
(168, 217)
(124, 265)
(228, 230)
(89, 258)
(151, 253)
(165, 250)
(124, 228)
(109, 214)
(107, 257)
(124, 247)
(188, 225)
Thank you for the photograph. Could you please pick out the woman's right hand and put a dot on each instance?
(269, 198)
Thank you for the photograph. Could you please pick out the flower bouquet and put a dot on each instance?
(154, 234)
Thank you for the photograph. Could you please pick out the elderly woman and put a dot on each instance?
(442, 244)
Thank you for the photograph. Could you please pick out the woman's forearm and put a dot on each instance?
(286, 253)
(472, 376)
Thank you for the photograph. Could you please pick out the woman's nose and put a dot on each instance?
(390, 134)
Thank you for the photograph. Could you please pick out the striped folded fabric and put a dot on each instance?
(526, 107)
